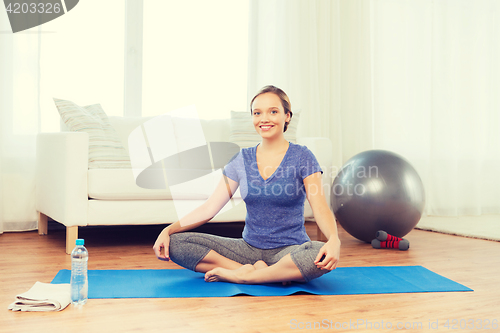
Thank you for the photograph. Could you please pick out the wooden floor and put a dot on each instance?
(26, 258)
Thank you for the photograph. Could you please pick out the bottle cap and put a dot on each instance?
(80, 241)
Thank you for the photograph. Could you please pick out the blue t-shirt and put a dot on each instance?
(275, 206)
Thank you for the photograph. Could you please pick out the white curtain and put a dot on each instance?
(19, 124)
(417, 77)
(1, 186)
(65, 58)
(434, 81)
(295, 45)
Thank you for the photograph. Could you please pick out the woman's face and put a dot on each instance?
(269, 115)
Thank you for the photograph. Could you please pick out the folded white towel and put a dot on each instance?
(43, 297)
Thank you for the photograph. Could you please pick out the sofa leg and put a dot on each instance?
(71, 236)
(43, 223)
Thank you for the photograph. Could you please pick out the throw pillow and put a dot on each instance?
(105, 148)
(244, 134)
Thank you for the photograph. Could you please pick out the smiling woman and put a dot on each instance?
(274, 246)
(274, 102)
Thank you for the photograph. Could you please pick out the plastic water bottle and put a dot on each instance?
(79, 278)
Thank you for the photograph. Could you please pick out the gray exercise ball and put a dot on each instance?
(377, 190)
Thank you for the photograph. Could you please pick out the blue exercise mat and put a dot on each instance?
(163, 283)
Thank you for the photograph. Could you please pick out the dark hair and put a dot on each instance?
(285, 101)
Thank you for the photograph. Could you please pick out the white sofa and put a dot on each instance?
(74, 195)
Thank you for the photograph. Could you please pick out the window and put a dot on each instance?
(195, 52)
(82, 60)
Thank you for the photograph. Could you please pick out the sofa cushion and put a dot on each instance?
(149, 142)
(119, 184)
(105, 147)
(125, 125)
(215, 130)
(140, 212)
(244, 134)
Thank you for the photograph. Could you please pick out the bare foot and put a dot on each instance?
(229, 275)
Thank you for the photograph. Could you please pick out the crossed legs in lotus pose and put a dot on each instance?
(219, 268)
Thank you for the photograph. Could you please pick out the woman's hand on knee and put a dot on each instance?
(162, 245)
(330, 252)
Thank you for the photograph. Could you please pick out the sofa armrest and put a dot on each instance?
(322, 150)
(61, 176)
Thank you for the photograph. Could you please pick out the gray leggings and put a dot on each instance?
(187, 249)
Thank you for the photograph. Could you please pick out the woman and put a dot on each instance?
(274, 178)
